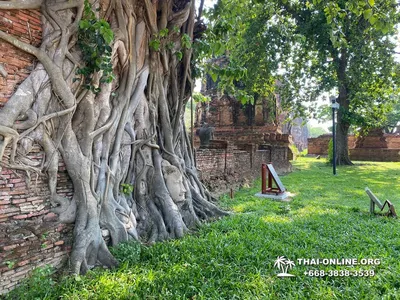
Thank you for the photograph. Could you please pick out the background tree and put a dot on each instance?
(316, 131)
(393, 119)
(246, 60)
(107, 97)
(343, 47)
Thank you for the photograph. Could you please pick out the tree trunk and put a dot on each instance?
(125, 148)
(342, 127)
(342, 148)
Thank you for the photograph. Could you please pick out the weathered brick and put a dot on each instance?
(18, 200)
(17, 192)
(59, 243)
(8, 273)
(20, 217)
(8, 210)
(23, 263)
(10, 247)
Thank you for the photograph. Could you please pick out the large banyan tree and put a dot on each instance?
(107, 97)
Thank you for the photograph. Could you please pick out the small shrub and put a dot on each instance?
(127, 252)
(295, 151)
(303, 153)
(126, 188)
(10, 263)
(329, 159)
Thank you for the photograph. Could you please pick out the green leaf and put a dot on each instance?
(186, 41)
(179, 55)
(155, 44)
(84, 24)
(214, 76)
(371, 2)
(170, 45)
(163, 32)
(386, 28)
(373, 19)
(367, 14)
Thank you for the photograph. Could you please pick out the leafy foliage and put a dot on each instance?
(126, 188)
(393, 118)
(198, 97)
(316, 131)
(303, 49)
(127, 252)
(236, 34)
(10, 263)
(329, 158)
(94, 39)
(347, 46)
(164, 40)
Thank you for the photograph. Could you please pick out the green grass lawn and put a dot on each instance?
(233, 258)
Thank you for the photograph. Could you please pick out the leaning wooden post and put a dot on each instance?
(263, 179)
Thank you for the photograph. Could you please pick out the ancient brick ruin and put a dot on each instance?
(30, 235)
(244, 137)
(376, 146)
(16, 64)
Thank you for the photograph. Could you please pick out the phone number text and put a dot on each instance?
(340, 273)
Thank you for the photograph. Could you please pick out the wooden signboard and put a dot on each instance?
(268, 170)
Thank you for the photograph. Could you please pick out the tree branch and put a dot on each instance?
(55, 73)
(21, 45)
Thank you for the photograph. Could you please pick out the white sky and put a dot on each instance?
(209, 3)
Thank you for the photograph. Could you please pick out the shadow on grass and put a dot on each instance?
(234, 258)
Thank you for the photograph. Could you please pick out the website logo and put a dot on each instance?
(284, 264)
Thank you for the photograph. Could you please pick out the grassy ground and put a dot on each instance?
(234, 258)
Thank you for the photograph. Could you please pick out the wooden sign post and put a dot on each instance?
(377, 202)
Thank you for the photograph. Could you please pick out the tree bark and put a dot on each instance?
(342, 127)
(130, 134)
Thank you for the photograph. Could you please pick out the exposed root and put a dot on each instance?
(124, 148)
(8, 135)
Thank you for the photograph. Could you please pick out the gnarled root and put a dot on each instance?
(8, 134)
(89, 249)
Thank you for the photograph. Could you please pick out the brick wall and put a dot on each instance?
(30, 235)
(319, 145)
(375, 154)
(26, 25)
(374, 147)
(224, 165)
(393, 141)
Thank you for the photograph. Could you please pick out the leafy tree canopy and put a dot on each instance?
(310, 48)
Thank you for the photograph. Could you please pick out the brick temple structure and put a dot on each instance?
(376, 146)
(244, 138)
